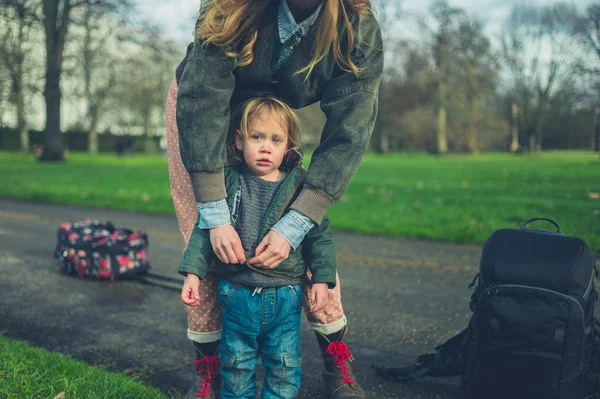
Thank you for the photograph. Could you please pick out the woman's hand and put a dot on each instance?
(226, 244)
(271, 251)
(318, 297)
(190, 291)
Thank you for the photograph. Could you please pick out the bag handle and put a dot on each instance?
(559, 230)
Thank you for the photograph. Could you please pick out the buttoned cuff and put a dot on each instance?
(213, 214)
(208, 186)
(293, 227)
(313, 203)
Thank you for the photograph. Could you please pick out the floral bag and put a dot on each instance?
(98, 250)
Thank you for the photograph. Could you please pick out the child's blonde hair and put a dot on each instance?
(249, 110)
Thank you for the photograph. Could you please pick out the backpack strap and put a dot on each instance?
(408, 373)
(445, 362)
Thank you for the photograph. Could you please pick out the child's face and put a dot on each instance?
(265, 147)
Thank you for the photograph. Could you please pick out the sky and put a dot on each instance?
(176, 17)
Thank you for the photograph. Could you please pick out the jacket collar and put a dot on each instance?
(287, 24)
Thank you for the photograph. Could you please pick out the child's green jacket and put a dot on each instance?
(316, 252)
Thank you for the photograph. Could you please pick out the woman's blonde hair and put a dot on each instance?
(232, 25)
(252, 108)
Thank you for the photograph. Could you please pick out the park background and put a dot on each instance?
(486, 117)
(476, 112)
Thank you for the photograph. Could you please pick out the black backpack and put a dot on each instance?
(533, 332)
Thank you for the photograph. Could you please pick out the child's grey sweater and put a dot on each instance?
(256, 196)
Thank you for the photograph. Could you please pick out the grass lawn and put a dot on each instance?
(458, 198)
(27, 372)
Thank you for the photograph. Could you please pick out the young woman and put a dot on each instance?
(301, 52)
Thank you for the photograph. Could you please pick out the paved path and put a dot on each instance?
(402, 297)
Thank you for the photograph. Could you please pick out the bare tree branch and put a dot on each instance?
(538, 48)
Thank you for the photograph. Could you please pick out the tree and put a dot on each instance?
(445, 83)
(142, 89)
(57, 19)
(597, 132)
(4, 83)
(408, 95)
(480, 70)
(514, 127)
(447, 19)
(98, 68)
(388, 14)
(538, 47)
(19, 19)
(588, 31)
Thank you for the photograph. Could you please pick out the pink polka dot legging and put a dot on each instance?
(204, 320)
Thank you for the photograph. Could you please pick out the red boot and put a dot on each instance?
(337, 378)
(207, 382)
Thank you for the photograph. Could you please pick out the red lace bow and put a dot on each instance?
(342, 355)
(208, 367)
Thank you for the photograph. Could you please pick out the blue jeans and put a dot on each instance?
(265, 323)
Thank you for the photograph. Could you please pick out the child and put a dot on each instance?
(261, 307)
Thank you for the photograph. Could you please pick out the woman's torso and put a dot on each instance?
(258, 79)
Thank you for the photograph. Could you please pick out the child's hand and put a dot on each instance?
(318, 296)
(189, 291)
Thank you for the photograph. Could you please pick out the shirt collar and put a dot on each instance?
(287, 24)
